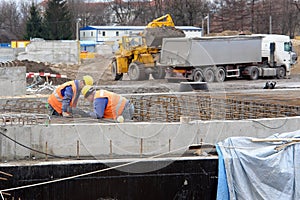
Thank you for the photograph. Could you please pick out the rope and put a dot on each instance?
(271, 127)
(2, 130)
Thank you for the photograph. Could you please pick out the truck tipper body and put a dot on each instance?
(217, 58)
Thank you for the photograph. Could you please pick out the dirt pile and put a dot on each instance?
(36, 67)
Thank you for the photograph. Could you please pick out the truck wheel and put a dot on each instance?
(198, 75)
(220, 74)
(280, 73)
(209, 75)
(136, 71)
(253, 74)
(159, 73)
(115, 75)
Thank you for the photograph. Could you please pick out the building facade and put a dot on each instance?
(102, 34)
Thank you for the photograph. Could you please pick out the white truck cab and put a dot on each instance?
(283, 51)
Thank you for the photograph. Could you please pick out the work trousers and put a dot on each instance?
(128, 111)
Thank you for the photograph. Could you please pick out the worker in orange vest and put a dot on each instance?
(65, 96)
(108, 105)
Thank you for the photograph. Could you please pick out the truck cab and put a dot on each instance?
(283, 52)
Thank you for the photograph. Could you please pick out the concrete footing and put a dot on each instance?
(109, 140)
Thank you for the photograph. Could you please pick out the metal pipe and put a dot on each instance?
(46, 150)
(77, 149)
(110, 148)
(141, 149)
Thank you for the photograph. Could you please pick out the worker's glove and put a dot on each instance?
(120, 119)
(66, 114)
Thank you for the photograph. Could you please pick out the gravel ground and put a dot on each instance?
(242, 85)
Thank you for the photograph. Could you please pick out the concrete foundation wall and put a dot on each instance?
(62, 51)
(130, 139)
(9, 54)
(13, 81)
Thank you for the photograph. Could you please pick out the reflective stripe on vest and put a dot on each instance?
(57, 96)
(115, 105)
(119, 106)
(55, 99)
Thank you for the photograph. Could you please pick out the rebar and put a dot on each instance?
(201, 106)
(13, 119)
(163, 107)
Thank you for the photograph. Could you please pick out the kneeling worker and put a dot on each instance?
(108, 105)
(65, 96)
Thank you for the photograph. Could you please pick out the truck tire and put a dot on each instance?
(253, 73)
(114, 73)
(209, 75)
(280, 74)
(136, 71)
(220, 74)
(198, 75)
(158, 73)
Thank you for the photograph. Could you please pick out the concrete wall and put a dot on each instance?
(13, 81)
(62, 51)
(134, 139)
(9, 54)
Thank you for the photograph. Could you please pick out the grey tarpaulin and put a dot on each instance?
(256, 170)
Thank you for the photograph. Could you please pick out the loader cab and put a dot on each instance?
(131, 42)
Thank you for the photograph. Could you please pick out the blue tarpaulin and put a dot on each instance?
(267, 169)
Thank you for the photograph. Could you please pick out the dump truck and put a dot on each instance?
(212, 59)
(137, 54)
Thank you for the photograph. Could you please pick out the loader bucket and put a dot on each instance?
(155, 35)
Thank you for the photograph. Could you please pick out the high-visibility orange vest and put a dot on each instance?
(55, 99)
(115, 105)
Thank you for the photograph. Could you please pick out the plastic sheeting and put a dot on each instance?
(258, 170)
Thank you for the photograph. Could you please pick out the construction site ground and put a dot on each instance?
(161, 101)
(99, 69)
(149, 107)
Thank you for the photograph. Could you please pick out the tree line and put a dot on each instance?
(56, 19)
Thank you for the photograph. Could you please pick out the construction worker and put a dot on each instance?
(65, 96)
(108, 105)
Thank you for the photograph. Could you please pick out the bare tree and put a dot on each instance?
(187, 12)
(9, 18)
(231, 15)
(257, 16)
(290, 18)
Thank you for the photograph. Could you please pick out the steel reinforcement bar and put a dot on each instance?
(197, 106)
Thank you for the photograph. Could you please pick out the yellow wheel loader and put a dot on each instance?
(137, 54)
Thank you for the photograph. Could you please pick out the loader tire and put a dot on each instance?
(136, 72)
(114, 73)
(159, 73)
